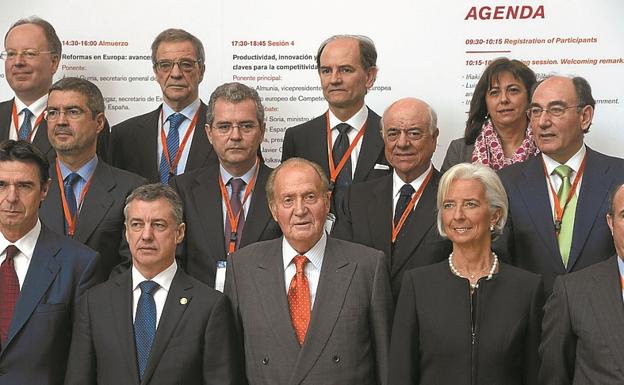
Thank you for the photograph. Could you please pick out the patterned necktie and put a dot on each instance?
(405, 195)
(145, 324)
(299, 299)
(567, 222)
(340, 148)
(173, 142)
(238, 186)
(26, 126)
(9, 291)
(70, 197)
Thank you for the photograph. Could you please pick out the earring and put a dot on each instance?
(491, 228)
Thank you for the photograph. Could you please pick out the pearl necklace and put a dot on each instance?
(473, 285)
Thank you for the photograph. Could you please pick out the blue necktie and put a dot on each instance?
(145, 324)
(26, 126)
(340, 148)
(173, 142)
(70, 197)
(405, 196)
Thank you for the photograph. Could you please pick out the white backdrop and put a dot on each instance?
(431, 50)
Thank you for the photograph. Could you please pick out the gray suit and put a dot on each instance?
(583, 328)
(348, 336)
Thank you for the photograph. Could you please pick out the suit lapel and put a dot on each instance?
(96, 203)
(608, 308)
(336, 275)
(146, 143)
(316, 146)
(257, 216)
(380, 214)
(42, 271)
(594, 191)
(207, 203)
(51, 210)
(41, 140)
(121, 305)
(181, 287)
(6, 110)
(372, 145)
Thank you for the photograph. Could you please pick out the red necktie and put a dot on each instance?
(299, 299)
(9, 291)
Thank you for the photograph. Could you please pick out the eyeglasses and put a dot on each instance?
(393, 134)
(73, 113)
(554, 111)
(28, 54)
(185, 65)
(226, 128)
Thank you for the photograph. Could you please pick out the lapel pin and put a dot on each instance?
(183, 301)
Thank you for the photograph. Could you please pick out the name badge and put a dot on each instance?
(329, 222)
(220, 277)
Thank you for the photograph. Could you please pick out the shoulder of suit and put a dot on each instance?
(513, 171)
(510, 272)
(356, 251)
(310, 124)
(201, 291)
(124, 177)
(587, 274)
(187, 177)
(253, 250)
(130, 123)
(68, 247)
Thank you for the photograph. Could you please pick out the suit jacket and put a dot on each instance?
(100, 221)
(204, 242)
(529, 239)
(134, 143)
(40, 140)
(458, 152)
(583, 330)
(195, 342)
(37, 346)
(366, 218)
(348, 335)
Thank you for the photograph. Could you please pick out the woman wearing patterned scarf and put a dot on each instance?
(497, 131)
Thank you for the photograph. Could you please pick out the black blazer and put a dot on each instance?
(204, 243)
(529, 239)
(134, 143)
(366, 218)
(432, 340)
(100, 221)
(195, 342)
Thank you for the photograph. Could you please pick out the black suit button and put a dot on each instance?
(336, 359)
(265, 361)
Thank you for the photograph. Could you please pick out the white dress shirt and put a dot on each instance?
(574, 163)
(397, 183)
(163, 279)
(312, 269)
(357, 122)
(36, 108)
(26, 246)
(189, 112)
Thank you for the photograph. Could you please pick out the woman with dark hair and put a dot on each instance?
(497, 131)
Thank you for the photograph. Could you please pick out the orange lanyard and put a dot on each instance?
(410, 206)
(71, 220)
(622, 281)
(228, 208)
(16, 123)
(163, 140)
(558, 209)
(334, 171)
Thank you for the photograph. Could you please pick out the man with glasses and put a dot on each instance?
(31, 58)
(558, 199)
(169, 140)
(86, 196)
(225, 204)
(396, 213)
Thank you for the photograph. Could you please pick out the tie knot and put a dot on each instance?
(11, 252)
(175, 120)
(300, 261)
(71, 179)
(563, 171)
(237, 185)
(343, 128)
(407, 190)
(27, 113)
(148, 287)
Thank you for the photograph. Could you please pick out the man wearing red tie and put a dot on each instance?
(310, 309)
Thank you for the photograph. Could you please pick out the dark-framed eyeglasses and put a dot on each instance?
(73, 113)
(185, 65)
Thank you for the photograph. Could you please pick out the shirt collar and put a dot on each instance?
(574, 162)
(163, 279)
(314, 255)
(356, 121)
(397, 182)
(25, 244)
(36, 107)
(85, 171)
(226, 176)
(188, 111)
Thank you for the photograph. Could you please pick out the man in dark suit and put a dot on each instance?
(169, 140)
(557, 199)
(153, 324)
(42, 274)
(231, 191)
(31, 58)
(86, 198)
(583, 329)
(397, 213)
(347, 69)
(310, 309)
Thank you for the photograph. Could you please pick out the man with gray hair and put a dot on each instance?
(397, 213)
(169, 140)
(347, 69)
(154, 324)
(225, 204)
